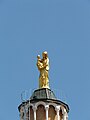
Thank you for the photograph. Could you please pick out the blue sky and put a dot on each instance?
(29, 27)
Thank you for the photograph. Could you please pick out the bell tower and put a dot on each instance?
(43, 104)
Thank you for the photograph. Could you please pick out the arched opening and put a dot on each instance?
(51, 113)
(40, 113)
(31, 113)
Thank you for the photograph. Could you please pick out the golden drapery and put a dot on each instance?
(43, 67)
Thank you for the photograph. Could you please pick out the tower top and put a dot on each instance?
(43, 104)
(43, 67)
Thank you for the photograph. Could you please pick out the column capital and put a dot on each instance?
(64, 111)
(57, 108)
(34, 108)
(46, 107)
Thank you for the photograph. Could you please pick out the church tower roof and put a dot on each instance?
(43, 93)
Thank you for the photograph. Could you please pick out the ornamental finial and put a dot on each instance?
(43, 67)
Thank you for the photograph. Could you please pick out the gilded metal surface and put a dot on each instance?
(43, 67)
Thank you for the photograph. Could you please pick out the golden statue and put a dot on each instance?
(43, 67)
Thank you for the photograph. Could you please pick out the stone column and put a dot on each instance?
(29, 110)
(65, 115)
(25, 108)
(57, 111)
(34, 110)
(46, 108)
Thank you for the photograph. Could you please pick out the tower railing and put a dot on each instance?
(25, 95)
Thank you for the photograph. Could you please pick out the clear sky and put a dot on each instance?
(29, 27)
